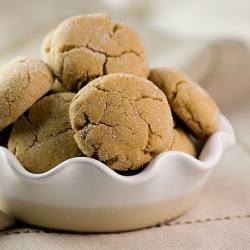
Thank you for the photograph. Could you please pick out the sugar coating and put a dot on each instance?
(122, 120)
(85, 47)
(189, 101)
(42, 137)
(22, 82)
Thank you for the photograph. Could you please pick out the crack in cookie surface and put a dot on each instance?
(104, 61)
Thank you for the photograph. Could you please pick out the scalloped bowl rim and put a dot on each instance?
(224, 138)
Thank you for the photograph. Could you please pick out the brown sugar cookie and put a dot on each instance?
(85, 47)
(181, 141)
(42, 137)
(22, 82)
(122, 120)
(57, 88)
(189, 101)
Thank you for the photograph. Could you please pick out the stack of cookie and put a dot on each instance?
(94, 95)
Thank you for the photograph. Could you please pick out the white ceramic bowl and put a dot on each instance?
(84, 195)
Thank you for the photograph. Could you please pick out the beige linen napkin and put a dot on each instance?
(5, 221)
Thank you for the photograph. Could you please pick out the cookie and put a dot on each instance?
(182, 141)
(189, 101)
(85, 47)
(42, 137)
(122, 120)
(22, 82)
(58, 88)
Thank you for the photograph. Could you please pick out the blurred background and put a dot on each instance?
(206, 39)
(171, 29)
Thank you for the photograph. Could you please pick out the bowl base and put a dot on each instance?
(98, 220)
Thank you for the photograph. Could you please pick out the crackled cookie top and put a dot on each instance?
(122, 120)
(22, 82)
(84, 47)
(188, 100)
(42, 137)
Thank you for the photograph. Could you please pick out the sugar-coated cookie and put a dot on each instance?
(57, 88)
(182, 141)
(85, 47)
(42, 137)
(122, 120)
(188, 100)
(22, 82)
